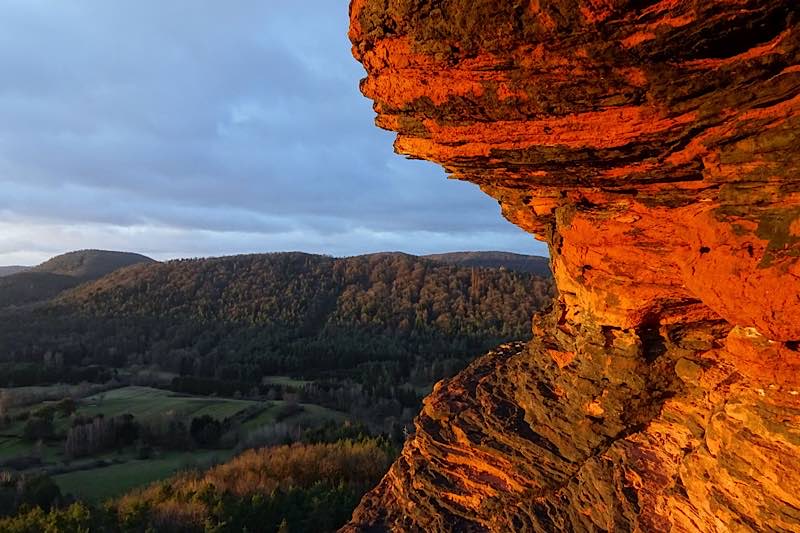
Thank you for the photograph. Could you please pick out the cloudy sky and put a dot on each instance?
(197, 128)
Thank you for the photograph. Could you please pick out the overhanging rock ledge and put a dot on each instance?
(655, 146)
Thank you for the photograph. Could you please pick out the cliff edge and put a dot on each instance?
(655, 146)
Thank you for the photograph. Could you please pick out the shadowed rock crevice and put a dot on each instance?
(655, 146)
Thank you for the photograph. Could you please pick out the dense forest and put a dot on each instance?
(227, 322)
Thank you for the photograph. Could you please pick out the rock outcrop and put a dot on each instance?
(655, 146)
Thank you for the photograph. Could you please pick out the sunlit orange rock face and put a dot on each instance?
(655, 146)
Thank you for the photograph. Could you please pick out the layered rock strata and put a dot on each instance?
(655, 146)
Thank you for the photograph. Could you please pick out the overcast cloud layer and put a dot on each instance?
(197, 128)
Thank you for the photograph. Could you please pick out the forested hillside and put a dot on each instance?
(227, 322)
(48, 280)
(12, 269)
(532, 264)
(204, 358)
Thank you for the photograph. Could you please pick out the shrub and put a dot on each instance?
(37, 428)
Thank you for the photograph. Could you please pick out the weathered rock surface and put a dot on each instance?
(655, 145)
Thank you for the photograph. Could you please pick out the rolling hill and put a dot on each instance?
(60, 273)
(238, 318)
(532, 264)
(11, 269)
(90, 264)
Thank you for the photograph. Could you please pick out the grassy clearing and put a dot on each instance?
(124, 471)
(15, 447)
(146, 402)
(21, 398)
(11, 447)
(285, 381)
(311, 415)
(99, 484)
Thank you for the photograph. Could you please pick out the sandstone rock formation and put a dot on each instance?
(655, 146)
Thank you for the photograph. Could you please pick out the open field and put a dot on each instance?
(12, 447)
(285, 381)
(111, 474)
(99, 484)
(146, 402)
(310, 415)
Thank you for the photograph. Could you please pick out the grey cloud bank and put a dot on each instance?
(197, 128)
